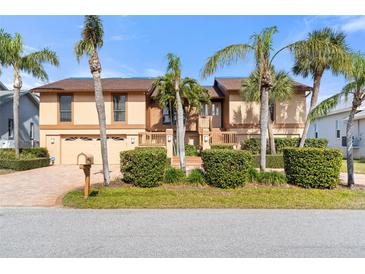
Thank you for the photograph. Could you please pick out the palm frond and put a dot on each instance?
(226, 56)
(325, 106)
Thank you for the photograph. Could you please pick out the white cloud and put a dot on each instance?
(121, 37)
(354, 24)
(151, 72)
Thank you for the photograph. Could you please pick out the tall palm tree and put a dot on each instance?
(91, 40)
(261, 47)
(180, 94)
(356, 89)
(323, 50)
(282, 90)
(13, 56)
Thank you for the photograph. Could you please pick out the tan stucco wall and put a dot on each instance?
(292, 111)
(48, 109)
(136, 109)
(241, 112)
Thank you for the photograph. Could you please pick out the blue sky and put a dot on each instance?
(136, 46)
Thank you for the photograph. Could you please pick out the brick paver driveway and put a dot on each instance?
(45, 186)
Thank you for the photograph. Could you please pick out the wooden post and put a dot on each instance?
(86, 169)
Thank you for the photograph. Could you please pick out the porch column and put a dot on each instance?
(169, 142)
(205, 141)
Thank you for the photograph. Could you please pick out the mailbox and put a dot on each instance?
(85, 159)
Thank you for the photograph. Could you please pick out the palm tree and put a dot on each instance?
(282, 90)
(355, 88)
(261, 47)
(323, 50)
(13, 56)
(91, 41)
(180, 94)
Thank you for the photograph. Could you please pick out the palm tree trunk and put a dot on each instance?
(17, 86)
(271, 136)
(264, 111)
(349, 148)
(95, 68)
(313, 103)
(180, 130)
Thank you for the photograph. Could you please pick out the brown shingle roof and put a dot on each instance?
(214, 92)
(234, 83)
(87, 84)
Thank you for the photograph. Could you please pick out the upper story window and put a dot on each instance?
(119, 109)
(166, 115)
(204, 110)
(65, 108)
(338, 131)
(10, 128)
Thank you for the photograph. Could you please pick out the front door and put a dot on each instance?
(216, 114)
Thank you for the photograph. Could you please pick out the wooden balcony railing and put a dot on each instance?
(204, 122)
(223, 137)
(152, 139)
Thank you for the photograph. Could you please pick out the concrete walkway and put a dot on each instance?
(45, 186)
(359, 179)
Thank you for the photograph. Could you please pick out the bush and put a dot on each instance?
(25, 153)
(253, 144)
(313, 167)
(196, 176)
(24, 164)
(191, 150)
(143, 167)
(272, 161)
(221, 146)
(271, 178)
(226, 168)
(173, 175)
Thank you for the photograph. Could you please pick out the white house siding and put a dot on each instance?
(326, 128)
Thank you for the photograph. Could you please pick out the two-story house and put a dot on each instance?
(69, 121)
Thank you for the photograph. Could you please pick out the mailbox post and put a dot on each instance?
(85, 161)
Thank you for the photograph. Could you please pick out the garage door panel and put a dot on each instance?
(71, 146)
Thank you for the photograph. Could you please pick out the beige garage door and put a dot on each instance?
(71, 146)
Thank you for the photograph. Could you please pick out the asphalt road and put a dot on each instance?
(58, 232)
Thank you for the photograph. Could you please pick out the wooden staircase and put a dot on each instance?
(192, 162)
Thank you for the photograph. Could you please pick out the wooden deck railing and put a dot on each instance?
(223, 137)
(152, 139)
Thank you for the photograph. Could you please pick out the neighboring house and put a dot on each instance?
(333, 128)
(28, 119)
(69, 121)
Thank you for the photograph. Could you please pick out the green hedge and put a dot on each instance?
(221, 146)
(313, 167)
(25, 153)
(253, 144)
(272, 161)
(191, 150)
(24, 164)
(226, 168)
(143, 167)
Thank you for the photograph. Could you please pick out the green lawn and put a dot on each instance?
(209, 197)
(359, 166)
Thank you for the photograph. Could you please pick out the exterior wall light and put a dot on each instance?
(206, 138)
(132, 140)
(52, 141)
(169, 138)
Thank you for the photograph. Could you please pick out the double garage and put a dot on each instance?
(70, 146)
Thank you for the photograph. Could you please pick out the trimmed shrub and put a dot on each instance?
(29, 158)
(226, 168)
(253, 175)
(173, 175)
(196, 176)
(24, 164)
(143, 167)
(271, 178)
(313, 167)
(253, 144)
(272, 161)
(221, 146)
(191, 150)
